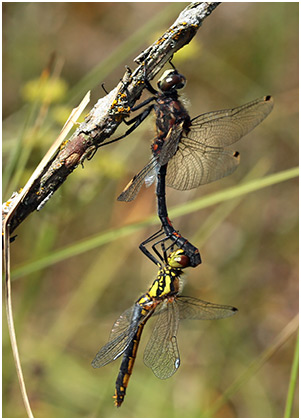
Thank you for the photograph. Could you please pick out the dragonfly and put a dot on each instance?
(164, 301)
(194, 149)
(187, 153)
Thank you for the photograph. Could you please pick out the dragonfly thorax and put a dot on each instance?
(167, 283)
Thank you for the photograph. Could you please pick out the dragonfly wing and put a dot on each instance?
(170, 145)
(121, 335)
(161, 353)
(132, 189)
(222, 128)
(193, 308)
(201, 157)
(151, 176)
(195, 164)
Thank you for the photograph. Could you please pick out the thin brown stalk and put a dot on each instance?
(8, 214)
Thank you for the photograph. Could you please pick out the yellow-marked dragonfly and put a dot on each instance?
(163, 300)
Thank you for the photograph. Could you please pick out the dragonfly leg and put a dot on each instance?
(146, 252)
(163, 248)
(162, 256)
(136, 121)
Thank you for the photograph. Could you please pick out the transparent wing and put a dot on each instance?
(222, 128)
(193, 308)
(201, 158)
(170, 144)
(161, 353)
(132, 189)
(121, 335)
(151, 176)
(194, 165)
(149, 173)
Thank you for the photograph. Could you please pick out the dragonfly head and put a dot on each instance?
(178, 259)
(170, 81)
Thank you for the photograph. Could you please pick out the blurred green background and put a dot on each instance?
(66, 298)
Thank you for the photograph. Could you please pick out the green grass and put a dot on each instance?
(181, 210)
(293, 382)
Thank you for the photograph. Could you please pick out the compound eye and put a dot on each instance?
(183, 261)
(171, 80)
(178, 259)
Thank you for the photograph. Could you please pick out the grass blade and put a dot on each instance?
(293, 382)
(284, 335)
(110, 235)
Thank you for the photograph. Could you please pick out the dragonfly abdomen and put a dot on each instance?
(147, 307)
(126, 367)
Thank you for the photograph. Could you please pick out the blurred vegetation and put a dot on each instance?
(64, 310)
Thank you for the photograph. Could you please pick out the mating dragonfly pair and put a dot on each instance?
(186, 153)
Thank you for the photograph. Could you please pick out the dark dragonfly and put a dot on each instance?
(188, 153)
(192, 148)
(163, 300)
